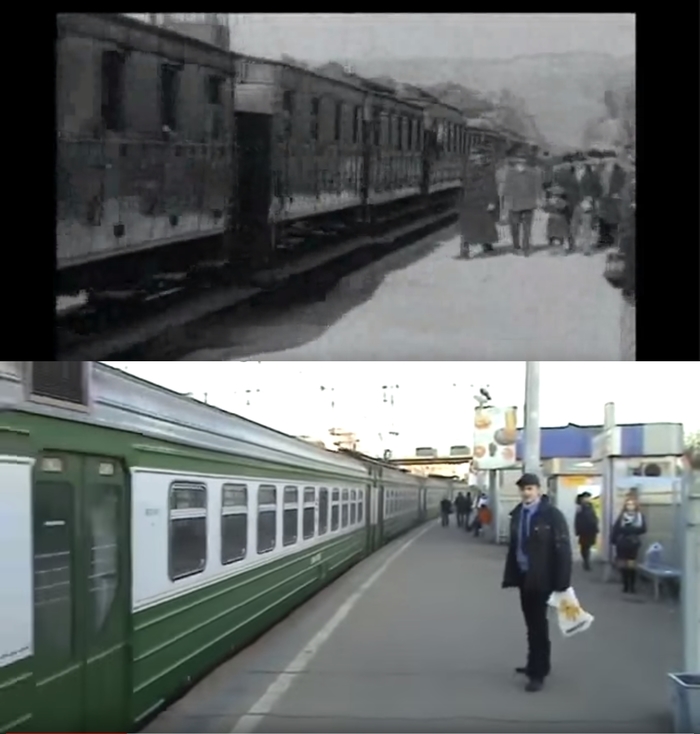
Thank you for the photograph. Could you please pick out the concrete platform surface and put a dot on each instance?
(421, 638)
(501, 307)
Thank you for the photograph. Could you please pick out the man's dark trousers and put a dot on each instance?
(534, 606)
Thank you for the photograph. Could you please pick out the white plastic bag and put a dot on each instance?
(571, 617)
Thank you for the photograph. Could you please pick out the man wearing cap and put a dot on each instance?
(521, 195)
(586, 527)
(480, 202)
(538, 562)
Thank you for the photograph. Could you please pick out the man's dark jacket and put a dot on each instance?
(548, 548)
(586, 524)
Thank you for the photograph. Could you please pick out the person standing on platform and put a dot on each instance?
(586, 527)
(521, 194)
(626, 539)
(479, 210)
(566, 178)
(547, 171)
(460, 509)
(627, 238)
(558, 221)
(538, 562)
(612, 184)
(445, 510)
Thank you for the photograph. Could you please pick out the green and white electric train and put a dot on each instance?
(145, 537)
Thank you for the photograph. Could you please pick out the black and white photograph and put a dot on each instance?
(345, 186)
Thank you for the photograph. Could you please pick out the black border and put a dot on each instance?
(668, 197)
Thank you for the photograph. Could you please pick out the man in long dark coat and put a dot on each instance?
(522, 193)
(628, 237)
(567, 179)
(479, 210)
(612, 180)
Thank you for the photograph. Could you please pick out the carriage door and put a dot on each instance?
(81, 593)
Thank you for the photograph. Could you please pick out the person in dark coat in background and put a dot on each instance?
(480, 206)
(522, 193)
(558, 221)
(612, 181)
(460, 508)
(586, 527)
(538, 562)
(445, 510)
(547, 171)
(566, 178)
(627, 237)
(626, 539)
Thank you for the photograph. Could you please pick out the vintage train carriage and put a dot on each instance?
(447, 134)
(144, 137)
(394, 144)
(146, 536)
(300, 149)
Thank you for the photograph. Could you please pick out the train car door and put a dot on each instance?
(367, 517)
(81, 593)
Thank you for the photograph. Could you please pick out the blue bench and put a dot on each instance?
(659, 572)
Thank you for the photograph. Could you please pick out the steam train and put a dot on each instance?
(168, 147)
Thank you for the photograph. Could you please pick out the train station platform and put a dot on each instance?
(441, 307)
(420, 637)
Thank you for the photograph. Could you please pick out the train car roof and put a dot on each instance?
(129, 22)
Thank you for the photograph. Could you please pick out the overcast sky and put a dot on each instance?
(320, 37)
(433, 404)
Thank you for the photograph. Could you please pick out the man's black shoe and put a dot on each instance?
(521, 671)
(534, 684)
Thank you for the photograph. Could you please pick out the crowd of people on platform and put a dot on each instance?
(589, 199)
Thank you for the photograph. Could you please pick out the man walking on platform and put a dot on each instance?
(538, 562)
(586, 527)
(521, 194)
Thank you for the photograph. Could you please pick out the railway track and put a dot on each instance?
(145, 325)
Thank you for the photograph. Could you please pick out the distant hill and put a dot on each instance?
(562, 92)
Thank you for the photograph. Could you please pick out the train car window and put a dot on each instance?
(290, 516)
(308, 519)
(322, 511)
(188, 529)
(377, 125)
(345, 509)
(214, 86)
(315, 109)
(409, 142)
(419, 135)
(234, 523)
(113, 66)
(335, 510)
(353, 506)
(399, 139)
(356, 124)
(338, 122)
(267, 518)
(169, 89)
(360, 504)
(390, 137)
(288, 111)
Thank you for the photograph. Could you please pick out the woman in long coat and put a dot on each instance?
(479, 210)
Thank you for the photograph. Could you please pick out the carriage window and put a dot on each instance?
(360, 503)
(353, 506)
(214, 87)
(290, 516)
(356, 125)
(288, 111)
(308, 520)
(399, 140)
(188, 529)
(419, 135)
(377, 122)
(345, 509)
(267, 518)
(315, 107)
(338, 127)
(113, 90)
(234, 523)
(169, 88)
(322, 511)
(335, 510)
